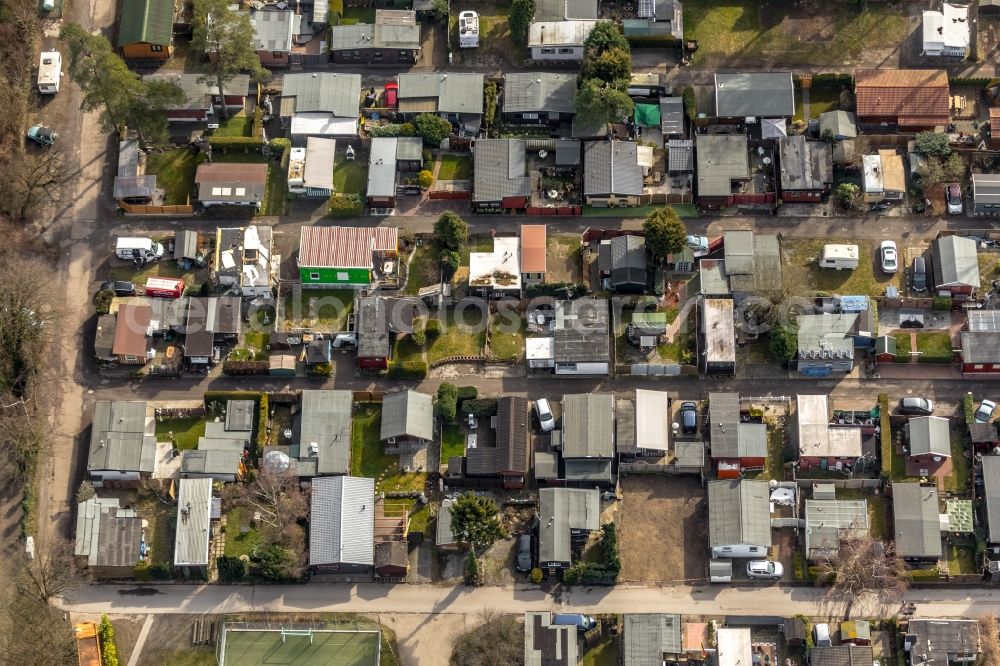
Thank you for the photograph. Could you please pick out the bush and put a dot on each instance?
(605, 573)
(480, 407)
(410, 369)
(263, 410)
(224, 144)
(320, 370)
(969, 408)
(433, 129)
(106, 634)
(924, 574)
(829, 79)
(942, 303)
(536, 575)
(258, 121)
(245, 368)
(560, 289)
(392, 129)
(447, 397)
(141, 571)
(425, 178)
(466, 393)
(432, 329)
(334, 12)
(473, 574)
(690, 103)
(345, 205)
(419, 337)
(103, 301)
(230, 568)
(160, 571)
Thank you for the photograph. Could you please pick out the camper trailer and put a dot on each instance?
(839, 257)
(49, 71)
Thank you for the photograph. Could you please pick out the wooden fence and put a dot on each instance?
(140, 209)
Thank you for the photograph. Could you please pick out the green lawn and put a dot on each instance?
(349, 176)
(238, 125)
(423, 269)
(452, 442)
(455, 341)
(507, 346)
(989, 267)
(319, 308)
(822, 100)
(259, 647)
(494, 36)
(962, 561)
(602, 654)
(174, 171)
(404, 349)
(679, 350)
(160, 530)
(238, 543)
(276, 190)
(935, 347)
(733, 30)
(183, 432)
(903, 347)
(369, 459)
(863, 280)
(194, 656)
(958, 480)
(353, 15)
(420, 518)
(455, 167)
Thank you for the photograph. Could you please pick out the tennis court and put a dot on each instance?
(345, 648)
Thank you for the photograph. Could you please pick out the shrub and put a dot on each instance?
(345, 205)
(409, 369)
(85, 491)
(425, 178)
(106, 634)
(334, 12)
(321, 370)
(224, 144)
(473, 574)
(419, 337)
(969, 408)
(829, 79)
(392, 129)
(480, 407)
(160, 571)
(690, 103)
(141, 571)
(466, 393)
(536, 575)
(103, 301)
(885, 436)
(433, 129)
(230, 568)
(447, 396)
(432, 329)
(263, 410)
(258, 121)
(942, 303)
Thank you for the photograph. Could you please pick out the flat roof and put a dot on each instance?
(652, 420)
(499, 269)
(194, 509)
(533, 248)
(720, 330)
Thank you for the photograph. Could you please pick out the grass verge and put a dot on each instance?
(368, 456)
(183, 432)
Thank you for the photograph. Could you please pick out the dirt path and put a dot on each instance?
(425, 640)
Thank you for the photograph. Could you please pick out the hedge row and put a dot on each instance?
(392, 129)
(245, 367)
(605, 573)
(410, 369)
(480, 407)
(885, 443)
(345, 205)
(263, 410)
(224, 143)
(106, 634)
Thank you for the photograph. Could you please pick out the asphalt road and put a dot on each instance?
(432, 599)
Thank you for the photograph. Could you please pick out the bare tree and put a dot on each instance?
(33, 633)
(52, 571)
(277, 497)
(865, 570)
(989, 638)
(498, 640)
(31, 178)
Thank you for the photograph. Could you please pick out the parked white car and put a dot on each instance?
(765, 569)
(985, 412)
(888, 256)
(546, 421)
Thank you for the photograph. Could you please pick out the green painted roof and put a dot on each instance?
(149, 21)
(647, 115)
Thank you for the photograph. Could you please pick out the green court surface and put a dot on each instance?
(344, 648)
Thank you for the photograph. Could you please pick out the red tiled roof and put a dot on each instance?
(230, 172)
(914, 96)
(130, 330)
(345, 247)
(532, 248)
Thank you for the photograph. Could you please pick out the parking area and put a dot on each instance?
(655, 512)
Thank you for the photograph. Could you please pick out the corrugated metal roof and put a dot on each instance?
(956, 262)
(88, 520)
(328, 92)
(455, 92)
(344, 247)
(842, 655)
(557, 10)
(525, 92)
(192, 535)
(929, 435)
(327, 422)
(652, 420)
(215, 462)
(672, 115)
(724, 420)
(588, 425)
(986, 188)
(146, 21)
(186, 245)
(916, 520)
(839, 123)
(612, 167)
(198, 93)
(500, 170)
(680, 156)
(628, 261)
(560, 511)
(274, 29)
(119, 439)
(407, 414)
(568, 152)
(756, 94)
(829, 522)
(738, 513)
(991, 482)
(647, 637)
(559, 33)
(722, 159)
(342, 521)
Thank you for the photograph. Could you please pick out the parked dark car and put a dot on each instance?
(120, 287)
(916, 406)
(524, 552)
(918, 275)
(689, 418)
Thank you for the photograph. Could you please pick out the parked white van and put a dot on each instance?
(49, 72)
(468, 30)
(131, 248)
(839, 256)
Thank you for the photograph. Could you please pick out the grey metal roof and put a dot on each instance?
(194, 508)
(916, 520)
(382, 167)
(842, 655)
(929, 435)
(568, 152)
(372, 327)
(826, 335)
(444, 535)
(274, 29)
(935, 640)
(983, 433)
(628, 261)
(546, 465)
(680, 155)
(218, 462)
(557, 10)
(739, 252)
(330, 92)
(593, 470)
(342, 521)
(828, 522)
(647, 637)
(320, 157)
(454, 92)
(588, 425)
(991, 492)
(738, 513)
(198, 94)
(758, 94)
(581, 333)
(672, 115)
(407, 414)
(986, 188)
(104, 338)
(119, 438)
(839, 123)
(612, 167)
(625, 426)
(500, 170)
(984, 320)
(539, 91)
(724, 421)
(980, 347)
(561, 510)
(722, 159)
(546, 644)
(118, 543)
(805, 165)
(712, 274)
(134, 187)
(240, 415)
(766, 262)
(955, 262)
(326, 420)
(186, 245)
